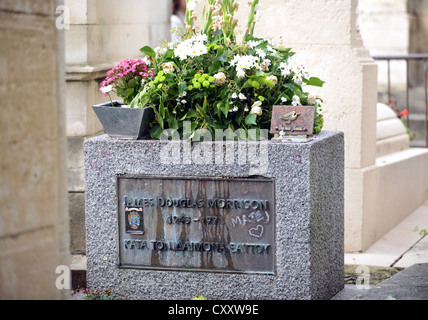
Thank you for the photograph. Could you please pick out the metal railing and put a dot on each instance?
(407, 58)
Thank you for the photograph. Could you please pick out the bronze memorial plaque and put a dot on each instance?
(292, 120)
(196, 224)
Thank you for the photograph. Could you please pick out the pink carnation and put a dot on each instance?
(126, 70)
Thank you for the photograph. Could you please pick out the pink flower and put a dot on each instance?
(123, 72)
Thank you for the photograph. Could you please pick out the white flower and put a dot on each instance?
(255, 108)
(253, 43)
(107, 89)
(160, 51)
(265, 64)
(191, 48)
(183, 101)
(201, 38)
(285, 69)
(292, 68)
(297, 79)
(273, 79)
(244, 63)
(220, 78)
(283, 99)
(234, 60)
(296, 101)
(235, 109)
(167, 67)
(234, 95)
(270, 49)
(260, 53)
(240, 73)
(311, 99)
(242, 97)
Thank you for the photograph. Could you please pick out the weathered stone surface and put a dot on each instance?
(309, 208)
(77, 222)
(34, 236)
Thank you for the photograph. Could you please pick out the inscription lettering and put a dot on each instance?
(135, 244)
(198, 203)
(160, 245)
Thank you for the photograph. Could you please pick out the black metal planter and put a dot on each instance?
(125, 123)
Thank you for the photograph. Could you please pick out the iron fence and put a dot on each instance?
(407, 58)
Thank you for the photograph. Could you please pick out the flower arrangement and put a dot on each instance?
(126, 79)
(214, 82)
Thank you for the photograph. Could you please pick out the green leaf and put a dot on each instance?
(173, 123)
(239, 117)
(218, 106)
(162, 110)
(192, 113)
(132, 83)
(156, 132)
(182, 87)
(221, 58)
(129, 92)
(214, 67)
(247, 84)
(225, 109)
(251, 119)
(313, 81)
(297, 91)
(148, 51)
(169, 53)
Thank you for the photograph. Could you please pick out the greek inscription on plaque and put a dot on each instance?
(196, 224)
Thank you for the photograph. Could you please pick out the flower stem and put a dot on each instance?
(251, 22)
(111, 101)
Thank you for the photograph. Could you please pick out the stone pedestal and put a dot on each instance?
(306, 218)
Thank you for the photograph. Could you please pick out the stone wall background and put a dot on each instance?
(34, 228)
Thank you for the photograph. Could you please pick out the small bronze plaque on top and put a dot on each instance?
(292, 120)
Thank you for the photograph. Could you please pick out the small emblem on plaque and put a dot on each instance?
(134, 220)
(290, 117)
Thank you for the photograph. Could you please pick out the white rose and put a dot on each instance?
(256, 109)
(167, 67)
(220, 78)
(311, 99)
(274, 80)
